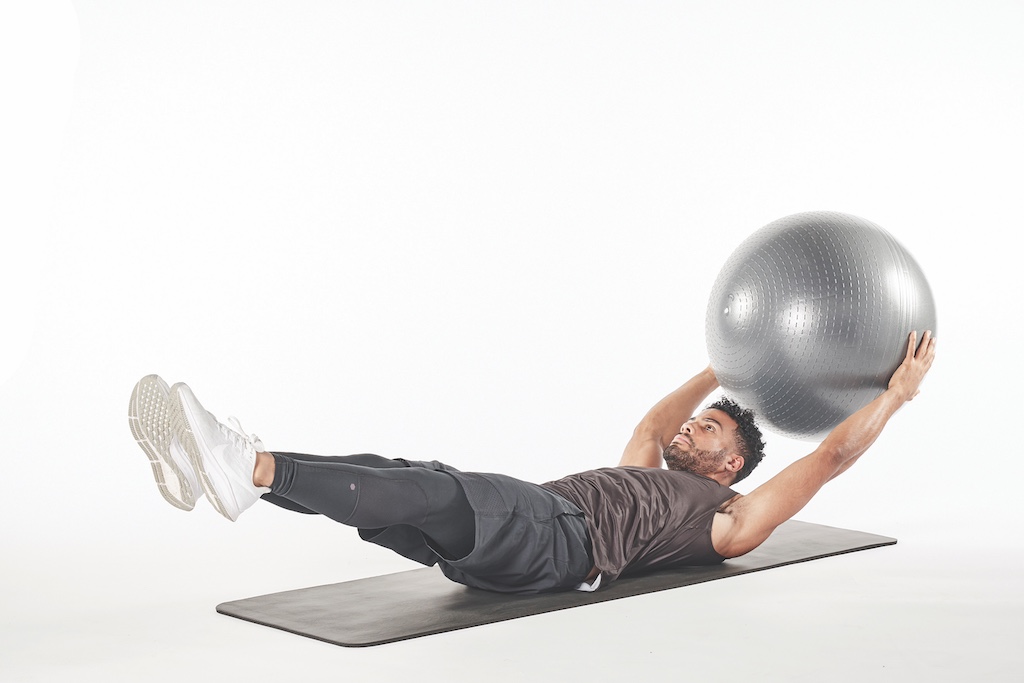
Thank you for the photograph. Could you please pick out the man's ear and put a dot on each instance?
(734, 463)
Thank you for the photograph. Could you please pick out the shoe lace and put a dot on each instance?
(250, 440)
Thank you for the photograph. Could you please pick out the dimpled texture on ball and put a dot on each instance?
(809, 318)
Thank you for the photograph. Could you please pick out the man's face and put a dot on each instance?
(703, 443)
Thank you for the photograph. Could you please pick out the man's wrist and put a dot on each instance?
(897, 396)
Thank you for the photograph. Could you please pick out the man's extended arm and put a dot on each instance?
(662, 422)
(749, 520)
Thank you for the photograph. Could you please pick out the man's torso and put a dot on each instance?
(643, 518)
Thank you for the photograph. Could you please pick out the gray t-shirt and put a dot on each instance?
(642, 518)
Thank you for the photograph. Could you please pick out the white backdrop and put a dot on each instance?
(484, 233)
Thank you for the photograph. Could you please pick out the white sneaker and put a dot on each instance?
(150, 422)
(224, 457)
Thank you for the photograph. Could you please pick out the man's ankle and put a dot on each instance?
(263, 472)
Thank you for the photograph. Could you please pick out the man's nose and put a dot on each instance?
(687, 428)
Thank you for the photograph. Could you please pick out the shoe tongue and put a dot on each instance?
(236, 425)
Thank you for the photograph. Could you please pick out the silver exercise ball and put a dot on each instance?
(809, 318)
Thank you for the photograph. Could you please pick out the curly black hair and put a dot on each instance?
(748, 437)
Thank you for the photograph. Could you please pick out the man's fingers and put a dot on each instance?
(927, 349)
(911, 344)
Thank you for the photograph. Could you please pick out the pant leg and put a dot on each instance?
(376, 497)
(364, 459)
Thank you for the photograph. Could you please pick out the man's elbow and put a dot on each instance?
(643, 450)
(832, 456)
(646, 432)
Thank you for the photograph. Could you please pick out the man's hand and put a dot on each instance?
(906, 381)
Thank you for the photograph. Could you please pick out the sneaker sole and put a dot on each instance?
(188, 441)
(150, 422)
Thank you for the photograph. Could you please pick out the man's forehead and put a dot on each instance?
(715, 415)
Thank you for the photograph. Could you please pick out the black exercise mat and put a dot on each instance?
(383, 609)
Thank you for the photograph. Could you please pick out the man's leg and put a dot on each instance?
(364, 459)
(374, 497)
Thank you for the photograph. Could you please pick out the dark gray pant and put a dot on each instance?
(488, 531)
(371, 492)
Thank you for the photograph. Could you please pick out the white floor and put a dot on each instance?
(908, 612)
(145, 611)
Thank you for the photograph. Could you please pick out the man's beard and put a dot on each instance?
(695, 460)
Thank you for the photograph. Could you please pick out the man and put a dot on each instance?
(498, 533)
